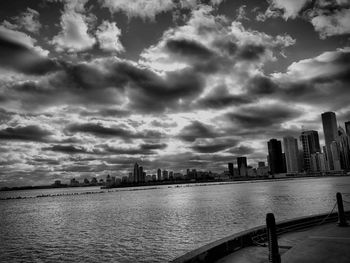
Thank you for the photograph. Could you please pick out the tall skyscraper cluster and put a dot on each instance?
(307, 155)
(139, 176)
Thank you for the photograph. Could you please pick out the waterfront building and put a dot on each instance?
(159, 175)
(154, 177)
(318, 162)
(329, 123)
(136, 175)
(57, 183)
(335, 154)
(74, 182)
(261, 164)
(242, 166)
(230, 169)
(344, 147)
(171, 175)
(311, 144)
(165, 175)
(347, 128)
(291, 151)
(178, 176)
(130, 178)
(141, 177)
(275, 156)
(262, 171)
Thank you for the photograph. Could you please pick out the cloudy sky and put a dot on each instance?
(89, 87)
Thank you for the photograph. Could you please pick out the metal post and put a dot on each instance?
(274, 256)
(341, 215)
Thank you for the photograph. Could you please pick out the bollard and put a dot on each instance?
(274, 256)
(341, 215)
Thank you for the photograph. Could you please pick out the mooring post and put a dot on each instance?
(274, 256)
(341, 215)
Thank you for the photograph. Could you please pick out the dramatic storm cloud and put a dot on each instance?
(88, 87)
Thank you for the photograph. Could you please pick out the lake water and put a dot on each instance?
(151, 225)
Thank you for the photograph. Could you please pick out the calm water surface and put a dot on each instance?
(151, 225)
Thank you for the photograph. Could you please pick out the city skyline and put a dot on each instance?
(92, 87)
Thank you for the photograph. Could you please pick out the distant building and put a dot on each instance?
(291, 151)
(165, 175)
(347, 128)
(329, 123)
(261, 164)
(178, 176)
(242, 166)
(275, 156)
(159, 175)
(86, 181)
(171, 175)
(74, 182)
(344, 147)
(335, 154)
(318, 162)
(136, 173)
(141, 175)
(230, 169)
(262, 171)
(311, 144)
(57, 183)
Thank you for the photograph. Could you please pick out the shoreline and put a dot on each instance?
(158, 186)
(180, 182)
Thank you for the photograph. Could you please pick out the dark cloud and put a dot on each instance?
(69, 149)
(98, 130)
(196, 130)
(163, 124)
(261, 85)
(101, 131)
(153, 146)
(25, 133)
(188, 49)
(16, 56)
(262, 115)
(209, 148)
(241, 150)
(5, 116)
(250, 52)
(110, 82)
(143, 149)
(106, 113)
(221, 98)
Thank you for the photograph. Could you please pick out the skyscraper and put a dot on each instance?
(136, 173)
(159, 174)
(141, 177)
(230, 169)
(165, 175)
(291, 151)
(311, 144)
(242, 166)
(329, 123)
(347, 128)
(344, 147)
(275, 156)
(335, 153)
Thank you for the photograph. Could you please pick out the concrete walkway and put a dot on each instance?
(327, 243)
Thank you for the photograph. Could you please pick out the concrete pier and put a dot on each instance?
(307, 239)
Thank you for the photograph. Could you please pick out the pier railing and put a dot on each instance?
(253, 237)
